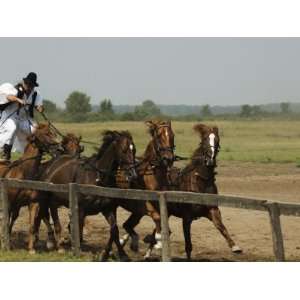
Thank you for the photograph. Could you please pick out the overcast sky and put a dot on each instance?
(223, 71)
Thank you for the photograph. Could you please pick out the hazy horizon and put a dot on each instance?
(192, 71)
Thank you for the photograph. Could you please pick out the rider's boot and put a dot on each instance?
(6, 152)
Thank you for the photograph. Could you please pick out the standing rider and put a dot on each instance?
(17, 104)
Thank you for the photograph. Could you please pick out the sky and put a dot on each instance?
(196, 71)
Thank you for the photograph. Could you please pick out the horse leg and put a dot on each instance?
(57, 229)
(51, 237)
(152, 241)
(129, 226)
(153, 213)
(186, 223)
(216, 218)
(13, 215)
(114, 237)
(33, 215)
(81, 224)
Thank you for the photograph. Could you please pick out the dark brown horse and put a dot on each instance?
(117, 151)
(70, 146)
(199, 177)
(153, 174)
(43, 140)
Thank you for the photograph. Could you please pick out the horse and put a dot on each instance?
(43, 140)
(153, 172)
(70, 144)
(198, 177)
(117, 151)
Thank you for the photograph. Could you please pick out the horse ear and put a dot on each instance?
(201, 128)
(80, 138)
(216, 130)
(150, 124)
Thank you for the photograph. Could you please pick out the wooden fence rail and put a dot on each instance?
(274, 209)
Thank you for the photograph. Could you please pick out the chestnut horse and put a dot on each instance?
(199, 177)
(70, 145)
(117, 151)
(153, 174)
(43, 140)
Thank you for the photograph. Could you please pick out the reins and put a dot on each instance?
(59, 132)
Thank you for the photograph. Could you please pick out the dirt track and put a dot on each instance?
(250, 229)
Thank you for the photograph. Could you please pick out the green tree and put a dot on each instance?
(285, 107)
(106, 107)
(206, 111)
(78, 106)
(256, 110)
(50, 107)
(146, 110)
(246, 110)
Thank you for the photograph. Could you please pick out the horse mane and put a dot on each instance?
(153, 124)
(68, 137)
(109, 136)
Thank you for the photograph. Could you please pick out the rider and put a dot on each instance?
(17, 104)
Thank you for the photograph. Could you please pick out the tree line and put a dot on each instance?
(78, 108)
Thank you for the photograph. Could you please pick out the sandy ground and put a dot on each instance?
(250, 229)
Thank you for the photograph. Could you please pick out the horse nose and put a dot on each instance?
(167, 161)
(210, 162)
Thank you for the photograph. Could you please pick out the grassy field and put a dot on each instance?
(255, 141)
(257, 159)
(24, 256)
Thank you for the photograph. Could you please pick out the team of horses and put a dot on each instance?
(114, 165)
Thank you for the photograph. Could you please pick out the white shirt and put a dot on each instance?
(7, 89)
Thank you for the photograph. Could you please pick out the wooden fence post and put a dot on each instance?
(278, 246)
(74, 219)
(165, 234)
(5, 238)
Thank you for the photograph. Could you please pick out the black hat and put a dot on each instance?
(31, 79)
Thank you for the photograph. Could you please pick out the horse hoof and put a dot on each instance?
(158, 245)
(32, 251)
(236, 249)
(50, 245)
(147, 255)
(124, 239)
(61, 250)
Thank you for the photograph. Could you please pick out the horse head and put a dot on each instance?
(210, 143)
(124, 151)
(163, 141)
(44, 139)
(71, 144)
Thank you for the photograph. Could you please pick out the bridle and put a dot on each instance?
(158, 148)
(123, 165)
(204, 150)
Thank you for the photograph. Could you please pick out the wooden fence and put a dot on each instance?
(274, 209)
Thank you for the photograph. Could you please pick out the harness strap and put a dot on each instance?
(19, 162)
